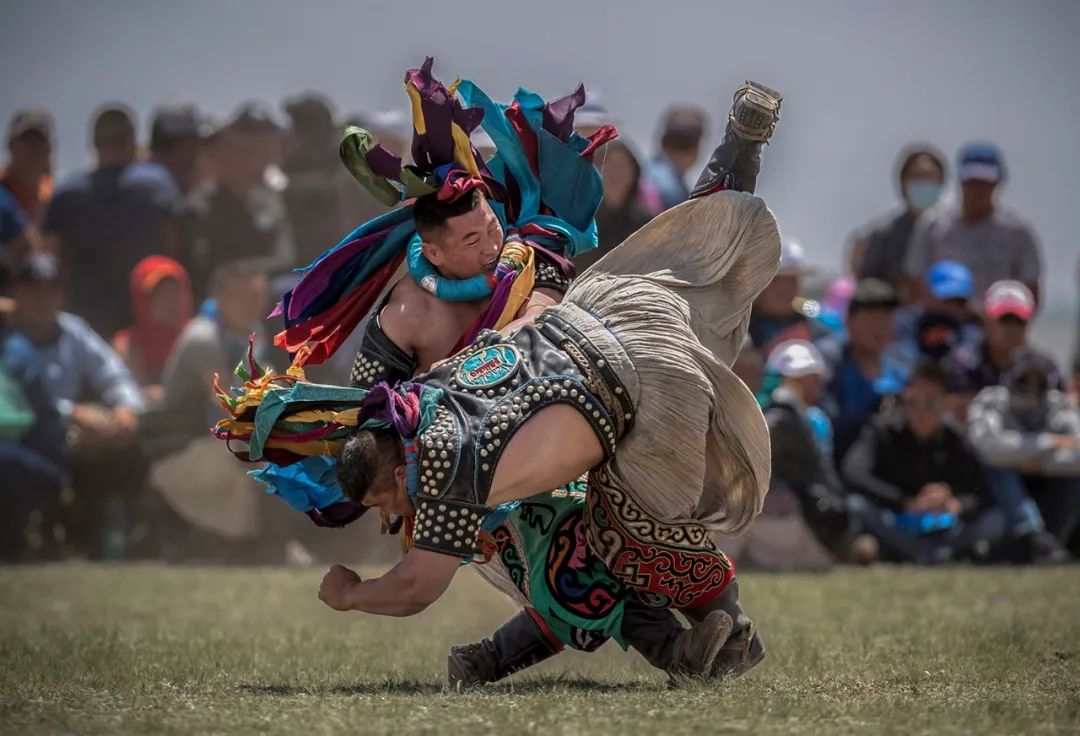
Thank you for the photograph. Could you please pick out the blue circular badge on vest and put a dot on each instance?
(488, 366)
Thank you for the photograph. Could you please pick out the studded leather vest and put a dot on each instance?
(490, 390)
(379, 358)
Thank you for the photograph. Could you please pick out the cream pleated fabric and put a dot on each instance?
(677, 295)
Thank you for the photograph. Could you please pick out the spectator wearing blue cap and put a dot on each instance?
(942, 319)
(879, 250)
(993, 243)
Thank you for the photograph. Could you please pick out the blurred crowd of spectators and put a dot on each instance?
(911, 419)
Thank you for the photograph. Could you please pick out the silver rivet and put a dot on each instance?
(485, 466)
(440, 475)
(618, 389)
(600, 363)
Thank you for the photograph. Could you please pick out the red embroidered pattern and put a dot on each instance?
(669, 565)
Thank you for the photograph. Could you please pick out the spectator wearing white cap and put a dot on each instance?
(1028, 432)
(917, 485)
(801, 438)
(993, 243)
(1008, 309)
(774, 318)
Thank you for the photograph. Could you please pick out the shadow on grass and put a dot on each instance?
(410, 686)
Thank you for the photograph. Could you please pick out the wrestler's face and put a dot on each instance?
(390, 494)
(467, 245)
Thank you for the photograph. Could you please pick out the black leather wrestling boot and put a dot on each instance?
(744, 647)
(658, 636)
(735, 163)
(516, 645)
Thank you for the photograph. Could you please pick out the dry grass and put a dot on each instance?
(150, 649)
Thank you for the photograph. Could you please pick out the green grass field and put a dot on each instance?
(152, 649)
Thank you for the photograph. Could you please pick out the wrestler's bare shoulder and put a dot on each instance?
(409, 306)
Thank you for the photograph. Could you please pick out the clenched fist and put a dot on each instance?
(336, 584)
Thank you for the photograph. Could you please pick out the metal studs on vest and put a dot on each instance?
(366, 370)
(438, 452)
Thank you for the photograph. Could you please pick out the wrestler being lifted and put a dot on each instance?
(461, 240)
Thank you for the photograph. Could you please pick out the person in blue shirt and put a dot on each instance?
(862, 371)
(86, 385)
(105, 220)
(680, 148)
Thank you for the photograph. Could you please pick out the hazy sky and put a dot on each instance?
(860, 78)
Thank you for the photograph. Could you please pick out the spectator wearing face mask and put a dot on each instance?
(918, 486)
(992, 242)
(879, 251)
(1028, 432)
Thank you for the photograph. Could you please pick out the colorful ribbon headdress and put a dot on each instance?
(540, 183)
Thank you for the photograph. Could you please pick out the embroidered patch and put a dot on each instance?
(488, 366)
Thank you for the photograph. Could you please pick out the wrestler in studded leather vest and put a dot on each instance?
(490, 390)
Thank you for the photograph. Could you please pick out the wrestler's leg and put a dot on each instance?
(744, 647)
(665, 644)
(735, 163)
(518, 644)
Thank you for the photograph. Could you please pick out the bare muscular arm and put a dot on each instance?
(405, 590)
(551, 449)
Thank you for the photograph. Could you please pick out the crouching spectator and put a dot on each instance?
(917, 485)
(95, 396)
(802, 445)
(161, 300)
(862, 370)
(1029, 434)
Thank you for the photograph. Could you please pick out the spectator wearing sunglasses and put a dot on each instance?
(1028, 432)
(1008, 309)
(917, 486)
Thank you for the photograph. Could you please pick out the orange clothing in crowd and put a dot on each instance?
(30, 199)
